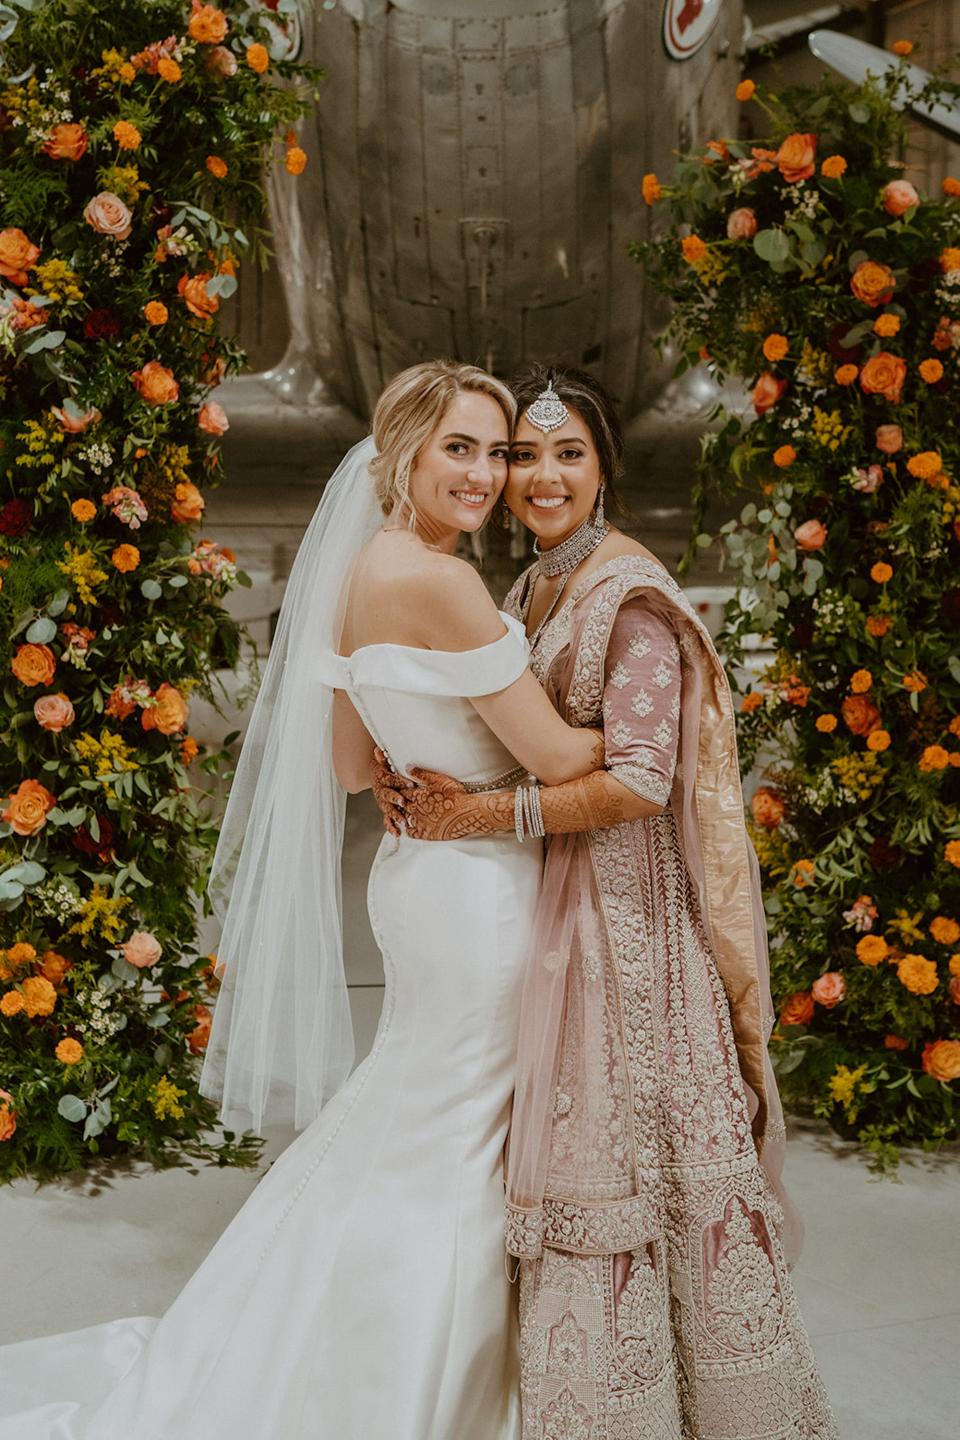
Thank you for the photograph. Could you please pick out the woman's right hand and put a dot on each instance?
(389, 790)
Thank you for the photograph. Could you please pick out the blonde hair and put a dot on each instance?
(409, 411)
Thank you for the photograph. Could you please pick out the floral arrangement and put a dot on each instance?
(810, 268)
(132, 142)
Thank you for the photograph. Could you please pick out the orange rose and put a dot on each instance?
(651, 189)
(826, 724)
(775, 347)
(208, 25)
(199, 1036)
(54, 712)
(83, 510)
(17, 256)
(169, 713)
(917, 974)
(829, 990)
(796, 157)
(741, 224)
(860, 681)
(886, 325)
(258, 58)
(902, 47)
(127, 136)
(217, 167)
(126, 558)
(75, 424)
(889, 439)
(8, 1116)
(39, 996)
(213, 418)
(878, 740)
(860, 715)
(108, 215)
(751, 702)
(66, 142)
(833, 167)
(767, 392)
(69, 1051)
(895, 1042)
(951, 187)
(693, 248)
(34, 664)
(783, 456)
(193, 288)
(811, 535)
(873, 283)
(845, 374)
(767, 807)
(898, 197)
(188, 505)
(884, 374)
(142, 950)
(156, 384)
(156, 313)
(941, 1059)
(797, 1009)
(931, 371)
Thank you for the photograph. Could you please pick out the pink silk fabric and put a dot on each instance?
(646, 1009)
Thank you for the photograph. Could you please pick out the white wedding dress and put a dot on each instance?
(361, 1292)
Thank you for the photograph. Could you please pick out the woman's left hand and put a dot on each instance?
(390, 791)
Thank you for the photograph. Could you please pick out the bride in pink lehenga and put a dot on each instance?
(644, 1200)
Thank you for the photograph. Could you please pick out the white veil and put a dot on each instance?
(282, 1041)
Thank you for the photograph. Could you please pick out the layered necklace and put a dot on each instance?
(561, 561)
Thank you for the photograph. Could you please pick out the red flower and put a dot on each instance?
(15, 517)
(102, 848)
(101, 325)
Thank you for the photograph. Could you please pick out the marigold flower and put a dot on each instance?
(953, 965)
(931, 371)
(846, 374)
(751, 702)
(693, 248)
(950, 259)
(797, 1009)
(944, 930)
(802, 873)
(886, 325)
(189, 749)
(8, 1115)
(127, 136)
(295, 161)
(951, 187)
(258, 58)
(916, 682)
(833, 167)
(39, 996)
(217, 167)
(826, 724)
(954, 726)
(881, 572)
(918, 974)
(860, 681)
(871, 949)
(21, 952)
(69, 1051)
(784, 456)
(126, 558)
(934, 757)
(11, 1003)
(651, 188)
(83, 510)
(156, 312)
(878, 740)
(895, 1042)
(878, 625)
(745, 90)
(941, 1059)
(207, 25)
(169, 70)
(951, 853)
(775, 347)
(902, 47)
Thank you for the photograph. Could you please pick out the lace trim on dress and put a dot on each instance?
(648, 784)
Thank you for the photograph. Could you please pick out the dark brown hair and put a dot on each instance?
(581, 392)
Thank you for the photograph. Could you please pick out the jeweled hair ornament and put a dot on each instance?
(548, 411)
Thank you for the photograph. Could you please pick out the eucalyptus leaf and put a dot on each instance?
(41, 631)
(48, 340)
(93, 1125)
(953, 663)
(28, 872)
(10, 890)
(858, 112)
(72, 1108)
(176, 582)
(59, 603)
(150, 590)
(772, 245)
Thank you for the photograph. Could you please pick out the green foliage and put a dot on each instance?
(117, 247)
(809, 271)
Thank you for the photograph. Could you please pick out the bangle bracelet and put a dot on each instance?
(518, 812)
(537, 826)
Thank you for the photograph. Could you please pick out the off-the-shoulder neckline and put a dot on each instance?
(512, 623)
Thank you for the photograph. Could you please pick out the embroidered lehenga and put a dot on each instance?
(644, 1201)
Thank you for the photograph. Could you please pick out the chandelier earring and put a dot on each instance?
(599, 523)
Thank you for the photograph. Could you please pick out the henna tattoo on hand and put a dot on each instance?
(591, 803)
(454, 814)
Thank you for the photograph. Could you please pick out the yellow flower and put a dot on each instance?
(82, 570)
(828, 428)
(833, 167)
(859, 774)
(127, 136)
(944, 930)
(83, 510)
(775, 347)
(69, 1051)
(931, 371)
(165, 1099)
(861, 681)
(881, 572)
(917, 974)
(871, 949)
(101, 912)
(886, 325)
(745, 90)
(103, 759)
(844, 1084)
(878, 740)
(826, 724)
(652, 190)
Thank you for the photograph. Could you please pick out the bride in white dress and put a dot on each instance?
(360, 1293)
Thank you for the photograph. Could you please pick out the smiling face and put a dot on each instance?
(460, 471)
(554, 479)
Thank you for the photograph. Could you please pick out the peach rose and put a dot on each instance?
(27, 807)
(193, 288)
(797, 1009)
(767, 392)
(898, 196)
(767, 807)
(66, 142)
(75, 424)
(170, 712)
(884, 374)
(829, 990)
(208, 25)
(8, 1116)
(889, 439)
(860, 715)
(188, 504)
(941, 1059)
(213, 418)
(873, 283)
(741, 224)
(107, 214)
(34, 664)
(221, 61)
(142, 949)
(156, 384)
(17, 255)
(796, 157)
(54, 712)
(811, 535)
(199, 1036)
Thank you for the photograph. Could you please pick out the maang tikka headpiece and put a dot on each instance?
(548, 411)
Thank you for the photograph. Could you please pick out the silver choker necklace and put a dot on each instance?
(564, 558)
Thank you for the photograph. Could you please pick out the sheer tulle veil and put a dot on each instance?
(282, 1042)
